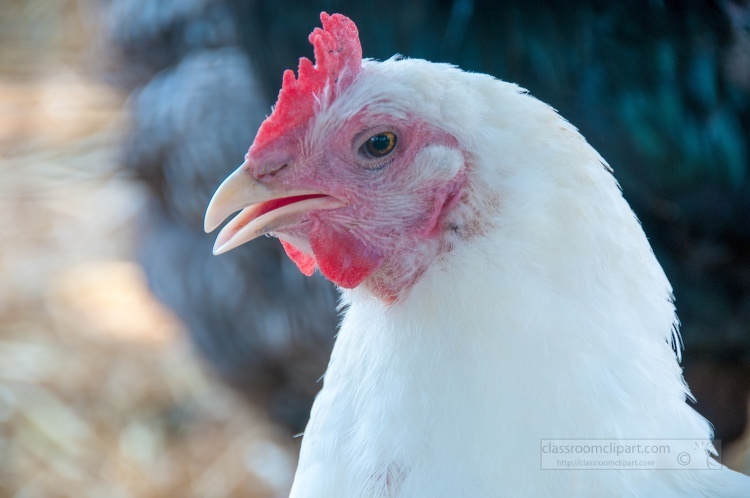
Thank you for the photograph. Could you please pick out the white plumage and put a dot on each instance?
(538, 312)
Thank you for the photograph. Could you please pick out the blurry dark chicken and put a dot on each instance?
(265, 328)
(672, 80)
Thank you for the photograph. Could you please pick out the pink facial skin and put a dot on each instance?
(391, 227)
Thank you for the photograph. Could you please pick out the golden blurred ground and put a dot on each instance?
(100, 394)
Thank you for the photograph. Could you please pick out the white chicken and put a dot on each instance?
(499, 291)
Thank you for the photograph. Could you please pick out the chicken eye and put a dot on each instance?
(379, 145)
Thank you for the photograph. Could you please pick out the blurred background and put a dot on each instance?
(135, 364)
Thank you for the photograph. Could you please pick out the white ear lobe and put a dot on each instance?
(438, 162)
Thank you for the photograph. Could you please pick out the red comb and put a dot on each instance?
(338, 60)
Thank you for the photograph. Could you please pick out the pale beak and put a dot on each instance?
(265, 208)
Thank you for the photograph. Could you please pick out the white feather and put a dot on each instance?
(555, 322)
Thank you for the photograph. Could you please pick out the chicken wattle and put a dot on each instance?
(499, 290)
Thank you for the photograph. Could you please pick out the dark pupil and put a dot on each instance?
(380, 143)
